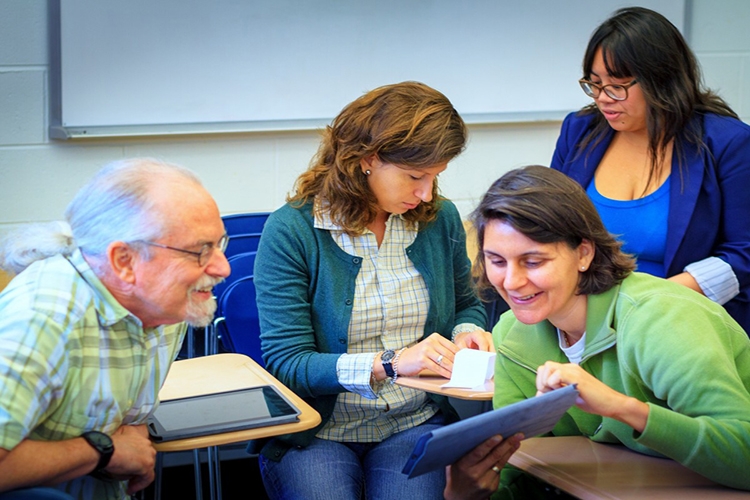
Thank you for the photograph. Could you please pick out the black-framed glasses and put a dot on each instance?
(205, 253)
(618, 92)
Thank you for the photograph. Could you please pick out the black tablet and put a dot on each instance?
(220, 412)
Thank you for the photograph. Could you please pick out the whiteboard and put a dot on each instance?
(140, 67)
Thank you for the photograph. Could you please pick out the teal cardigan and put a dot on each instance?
(662, 344)
(305, 291)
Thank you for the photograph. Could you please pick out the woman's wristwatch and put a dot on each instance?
(389, 360)
(386, 359)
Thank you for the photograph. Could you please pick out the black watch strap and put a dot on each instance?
(103, 444)
(386, 359)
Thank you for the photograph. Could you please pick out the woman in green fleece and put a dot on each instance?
(660, 368)
(363, 276)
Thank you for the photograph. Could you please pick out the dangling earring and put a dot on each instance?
(367, 172)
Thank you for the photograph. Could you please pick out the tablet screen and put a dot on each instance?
(220, 412)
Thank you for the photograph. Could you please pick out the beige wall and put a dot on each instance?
(254, 171)
(4, 279)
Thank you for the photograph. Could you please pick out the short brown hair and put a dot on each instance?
(548, 207)
(407, 124)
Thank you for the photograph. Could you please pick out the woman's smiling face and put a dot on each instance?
(538, 280)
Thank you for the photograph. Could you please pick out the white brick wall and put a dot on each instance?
(719, 32)
(253, 172)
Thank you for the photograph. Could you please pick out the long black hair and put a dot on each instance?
(642, 44)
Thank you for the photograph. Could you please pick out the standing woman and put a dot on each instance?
(361, 277)
(666, 162)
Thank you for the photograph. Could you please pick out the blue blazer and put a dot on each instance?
(709, 204)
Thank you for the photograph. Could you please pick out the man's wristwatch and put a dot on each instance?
(103, 444)
(386, 359)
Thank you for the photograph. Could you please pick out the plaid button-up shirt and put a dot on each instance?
(72, 359)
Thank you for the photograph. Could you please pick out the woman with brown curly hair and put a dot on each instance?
(361, 277)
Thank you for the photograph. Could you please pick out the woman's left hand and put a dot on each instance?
(434, 353)
(478, 339)
(594, 395)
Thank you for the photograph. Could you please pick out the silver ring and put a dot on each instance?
(439, 359)
(496, 469)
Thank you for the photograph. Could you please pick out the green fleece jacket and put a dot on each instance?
(305, 293)
(665, 345)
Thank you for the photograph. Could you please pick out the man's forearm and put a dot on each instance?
(35, 463)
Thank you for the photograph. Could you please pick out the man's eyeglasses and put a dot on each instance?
(205, 253)
(615, 91)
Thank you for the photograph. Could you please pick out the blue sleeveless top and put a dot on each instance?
(640, 224)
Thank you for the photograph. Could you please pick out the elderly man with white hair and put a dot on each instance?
(89, 330)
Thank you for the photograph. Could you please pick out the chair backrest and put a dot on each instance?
(244, 231)
(242, 243)
(245, 223)
(238, 326)
(241, 266)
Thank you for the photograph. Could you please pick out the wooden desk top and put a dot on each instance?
(227, 372)
(431, 382)
(590, 470)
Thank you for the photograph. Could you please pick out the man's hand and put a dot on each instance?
(134, 458)
(46, 463)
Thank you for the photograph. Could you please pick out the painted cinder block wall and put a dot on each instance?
(254, 171)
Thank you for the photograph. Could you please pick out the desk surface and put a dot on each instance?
(431, 382)
(590, 470)
(227, 372)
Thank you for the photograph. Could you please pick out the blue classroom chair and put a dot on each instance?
(242, 243)
(238, 326)
(245, 223)
(244, 231)
(242, 266)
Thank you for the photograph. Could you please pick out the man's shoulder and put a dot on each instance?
(51, 286)
(41, 311)
(42, 277)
